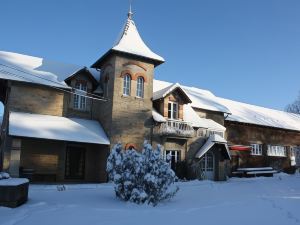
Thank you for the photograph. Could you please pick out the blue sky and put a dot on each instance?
(243, 50)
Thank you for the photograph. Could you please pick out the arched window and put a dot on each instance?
(140, 87)
(126, 84)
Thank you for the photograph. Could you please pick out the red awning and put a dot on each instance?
(240, 148)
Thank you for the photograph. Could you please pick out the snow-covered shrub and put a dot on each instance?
(4, 175)
(141, 177)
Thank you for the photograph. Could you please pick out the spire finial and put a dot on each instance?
(130, 12)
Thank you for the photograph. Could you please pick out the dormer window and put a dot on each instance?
(140, 87)
(173, 110)
(79, 98)
(126, 85)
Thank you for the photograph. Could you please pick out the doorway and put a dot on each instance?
(75, 163)
(207, 166)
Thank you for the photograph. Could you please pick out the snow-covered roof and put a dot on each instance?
(56, 128)
(204, 99)
(167, 90)
(130, 41)
(213, 139)
(237, 111)
(252, 114)
(190, 115)
(158, 117)
(18, 67)
(200, 98)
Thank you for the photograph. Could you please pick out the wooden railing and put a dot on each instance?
(175, 127)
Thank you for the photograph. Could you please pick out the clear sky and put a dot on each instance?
(239, 49)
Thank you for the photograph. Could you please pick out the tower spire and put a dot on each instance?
(130, 11)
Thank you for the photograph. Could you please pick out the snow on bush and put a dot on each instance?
(141, 177)
(4, 175)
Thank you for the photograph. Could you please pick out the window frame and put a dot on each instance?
(174, 153)
(140, 82)
(126, 85)
(79, 101)
(277, 150)
(256, 149)
(171, 111)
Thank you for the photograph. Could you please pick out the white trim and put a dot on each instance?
(140, 87)
(174, 109)
(256, 149)
(79, 100)
(276, 150)
(126, 85)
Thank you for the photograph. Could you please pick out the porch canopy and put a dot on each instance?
(211, 141)
(56, 128)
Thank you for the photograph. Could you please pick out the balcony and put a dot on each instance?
(175, 128)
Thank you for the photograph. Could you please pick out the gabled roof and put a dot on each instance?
(130, 42)
(252, 114)
(203, 99)
(19, 67)
(237, 111)
(86, 71)
(211, 141)
(169, 89)
(200, 98)
(56, 128)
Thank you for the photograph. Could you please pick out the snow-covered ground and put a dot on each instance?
(273, 200)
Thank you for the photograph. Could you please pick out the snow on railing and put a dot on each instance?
(176, 127)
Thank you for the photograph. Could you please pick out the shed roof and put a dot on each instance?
(56, 128)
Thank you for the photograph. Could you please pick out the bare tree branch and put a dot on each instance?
(294, 107)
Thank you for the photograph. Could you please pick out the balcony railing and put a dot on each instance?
(176, 127)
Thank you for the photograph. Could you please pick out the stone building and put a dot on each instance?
(61, 120)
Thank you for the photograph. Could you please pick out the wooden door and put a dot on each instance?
(75, 162)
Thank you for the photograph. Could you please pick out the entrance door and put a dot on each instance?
(175, 157)
(207, 166)
(75, 159)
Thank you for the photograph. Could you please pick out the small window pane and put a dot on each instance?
(140, 87)
(79, 99)
(126, 85)
(169, 110)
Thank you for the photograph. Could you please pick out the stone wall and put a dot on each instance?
(31, 98)
(126, 119)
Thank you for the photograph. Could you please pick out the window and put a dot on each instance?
(173, 110)
(211, 132)
(126, 85)
(256, 149)
(140, 87)
(79, 98)
(175, 157)
(276, 150)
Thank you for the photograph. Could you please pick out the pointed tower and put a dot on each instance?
(127, 71)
